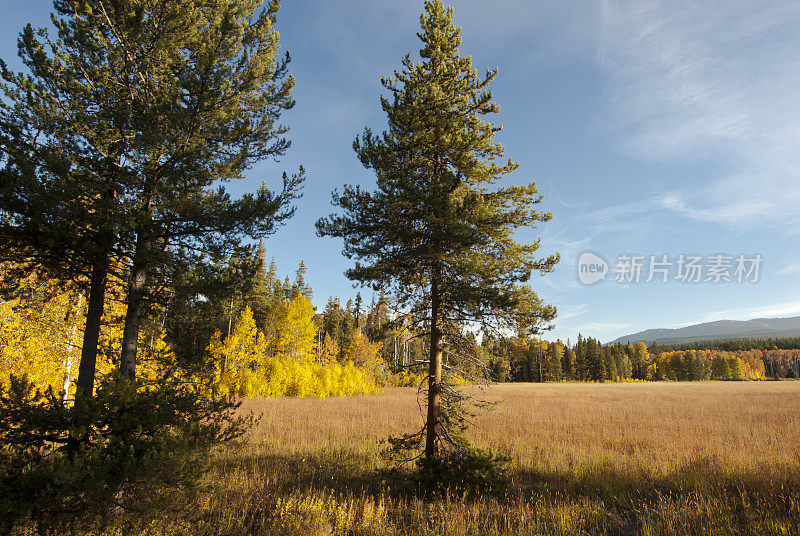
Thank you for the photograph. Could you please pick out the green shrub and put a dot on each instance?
(469, 471)
(106, 460)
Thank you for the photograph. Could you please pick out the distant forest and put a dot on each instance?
(260, 336)
(514, 359)
(731, 345)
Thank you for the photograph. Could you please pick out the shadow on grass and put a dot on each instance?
(353, 473)
(700, 494)
(342, 472)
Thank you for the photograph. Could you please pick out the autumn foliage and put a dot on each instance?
(248, 364)
(40, 335)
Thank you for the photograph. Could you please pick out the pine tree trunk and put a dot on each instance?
(91, 333)
(133, 315)
(435, 366)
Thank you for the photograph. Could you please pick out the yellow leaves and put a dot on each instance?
(154, 357)
(247, 366)
(41, 338)
(329, 351)
(295, 333)
(364, 353)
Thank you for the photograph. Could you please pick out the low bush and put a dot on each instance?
(471, 470)
(128, 451)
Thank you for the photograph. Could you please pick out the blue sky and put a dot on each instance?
(651, 128)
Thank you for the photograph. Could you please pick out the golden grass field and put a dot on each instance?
(630, 458)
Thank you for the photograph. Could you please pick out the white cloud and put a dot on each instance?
(748, 313)
(565, 313)
(711, 81)
(790, 269)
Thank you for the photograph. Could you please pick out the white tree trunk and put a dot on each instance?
(69, 354)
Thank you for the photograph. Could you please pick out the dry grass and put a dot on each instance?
(636, 458)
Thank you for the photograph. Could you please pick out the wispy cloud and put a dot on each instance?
(791, 308)
(711, 81)
(791, 269)
(571, 312)
(579, 231)
(604, 331)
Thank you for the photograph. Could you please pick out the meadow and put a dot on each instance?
(630, 458)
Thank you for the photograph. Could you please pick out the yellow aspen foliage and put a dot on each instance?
(155, 356)
(366, 355)
(296, 333)
(753, 365)
(40, 336)
(329, 351)
(23, 350)
(244, 366)
(238, 358)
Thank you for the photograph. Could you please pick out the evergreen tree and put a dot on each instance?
(609, 362)
(595, 363)
(581, 373)
(720, 369)
(568, 363)
(333, 319)
(555, 357)
(207, 297)
(357, 309)
(437, 231)
(260, 293)
(130, 121)
(640, 360)
(300, 286)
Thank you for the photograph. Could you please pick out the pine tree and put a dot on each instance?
(556, 356)
(123, 134)
(300, 286)
(259, 295)
(357, 309)
(595, 360)
(568, 363)
(640, 360)
(438, 233)
(581, 373)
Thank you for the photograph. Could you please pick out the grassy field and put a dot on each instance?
(635, 458)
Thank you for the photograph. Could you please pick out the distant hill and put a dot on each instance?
(758, 328)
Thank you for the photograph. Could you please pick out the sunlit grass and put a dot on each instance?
(638, 458)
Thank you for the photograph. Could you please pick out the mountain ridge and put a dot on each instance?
(756, 328)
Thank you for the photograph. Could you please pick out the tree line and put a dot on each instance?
(730, 345)
(534, 360)
(249, 331)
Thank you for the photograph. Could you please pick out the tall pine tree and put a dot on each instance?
(438, 231)
(130, 122)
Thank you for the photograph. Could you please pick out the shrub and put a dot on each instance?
(469, 471)
(107, 459)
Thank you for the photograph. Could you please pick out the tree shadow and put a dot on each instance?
(339, 471)
(626, 499)
(354, 473)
